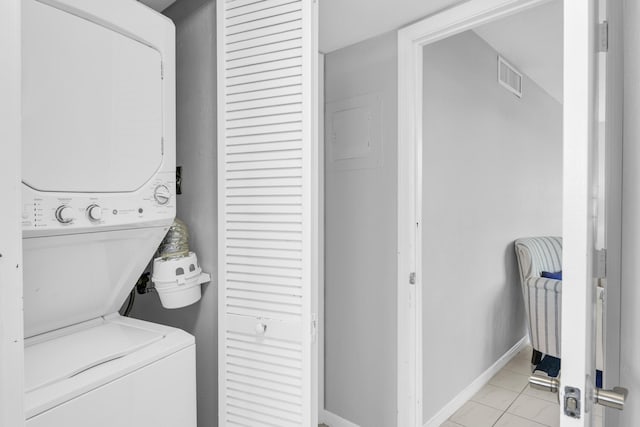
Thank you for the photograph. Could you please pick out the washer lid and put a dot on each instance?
(92, 105)
(61, 358)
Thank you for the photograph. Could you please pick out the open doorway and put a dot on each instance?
(481, 165)
(491, 174)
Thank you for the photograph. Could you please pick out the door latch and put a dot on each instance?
(572, 402)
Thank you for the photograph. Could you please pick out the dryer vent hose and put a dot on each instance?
(176, 243)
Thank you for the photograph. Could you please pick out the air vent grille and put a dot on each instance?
(509, 77)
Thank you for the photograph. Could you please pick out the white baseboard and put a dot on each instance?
(466, 394)
(333, 420)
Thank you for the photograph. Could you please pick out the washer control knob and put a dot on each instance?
(94, 212)
(162, 194)
(65, 214)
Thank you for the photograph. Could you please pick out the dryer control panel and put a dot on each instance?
(45, 213)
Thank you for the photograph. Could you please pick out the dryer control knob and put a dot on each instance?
(162, 194)
(94, 212)
(65, 214)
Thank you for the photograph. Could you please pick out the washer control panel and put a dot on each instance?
(68, 212)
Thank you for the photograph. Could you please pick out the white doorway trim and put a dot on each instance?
(411, 41)
(11, 335)
(320, 233)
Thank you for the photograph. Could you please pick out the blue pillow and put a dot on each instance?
(555, 276)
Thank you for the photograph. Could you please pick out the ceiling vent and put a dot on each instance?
(509, 77)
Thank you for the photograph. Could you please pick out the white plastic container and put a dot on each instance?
(178, 280)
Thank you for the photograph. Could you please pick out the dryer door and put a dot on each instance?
(92, 105)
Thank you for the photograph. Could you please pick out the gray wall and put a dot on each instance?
(197, 206)
(492, 173)
(630, 314)
(360, 230)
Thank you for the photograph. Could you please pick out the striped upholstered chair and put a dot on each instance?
(542, 297)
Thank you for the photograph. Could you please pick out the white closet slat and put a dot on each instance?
(259, 393)
(265, 226)
(293, 32)
(258, 89)
(251, 6)
(263, 252)
(264, 209)
(267, 111)
(284, 245)
(255, 38)
(259, 309)
(234, 73)
(267, 50)
(264, 260)
(264, 173)
(236, 4)
(263, 147)
(283, 167)
(280, 42)
(249, 64)
(274, 11)
(256, 287)
(235, 278)
(271, 182)
(266, 120)
(257, 418)
(277, 373)
(265, 201)
(250, 28)
(266, 297)
(291, 87)
(268, 129)
(270, 407)
(265, 192)
(264, 400)
(259, 268)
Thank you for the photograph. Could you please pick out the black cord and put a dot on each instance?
(132, 299)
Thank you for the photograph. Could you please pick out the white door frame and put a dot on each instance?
(11, 331)
(411, 41)
(320, 232)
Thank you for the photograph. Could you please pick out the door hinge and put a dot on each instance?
(603, 36)
(412, 278)
(314, 327)
(600, 263)
(161, 70)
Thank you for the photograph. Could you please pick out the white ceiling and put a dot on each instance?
(337, 17)
(345, 22)
(532, 42)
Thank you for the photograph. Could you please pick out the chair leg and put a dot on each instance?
(536, 357)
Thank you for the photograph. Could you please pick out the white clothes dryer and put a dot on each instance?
(98, 197)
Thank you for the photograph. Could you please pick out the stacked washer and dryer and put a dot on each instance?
(98, 197)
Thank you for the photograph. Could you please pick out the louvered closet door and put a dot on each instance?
(267, 148)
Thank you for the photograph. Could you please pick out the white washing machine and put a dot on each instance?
(98, 197)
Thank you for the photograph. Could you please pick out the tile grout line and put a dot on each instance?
(520, 393)
(510, 405)
(514, 400)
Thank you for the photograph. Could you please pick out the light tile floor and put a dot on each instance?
(508, 401)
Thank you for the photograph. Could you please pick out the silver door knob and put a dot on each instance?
(614, 398)
(544, 383)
